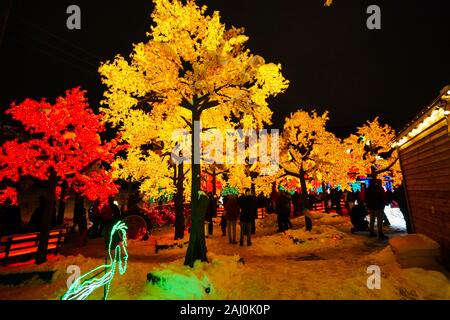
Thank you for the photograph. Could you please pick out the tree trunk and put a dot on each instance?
(308, 220)
(179, 208)
(253, 175)
(373, 172)
(62, 204)
(304, 189)
(41, 255)
(325, 198)
(197, 243)
(214, 180)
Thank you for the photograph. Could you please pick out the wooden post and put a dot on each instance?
(7, 250)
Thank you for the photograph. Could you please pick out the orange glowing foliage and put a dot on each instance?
(63, 137)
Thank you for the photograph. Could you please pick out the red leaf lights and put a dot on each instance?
(63, 136)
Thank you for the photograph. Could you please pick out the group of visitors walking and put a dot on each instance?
(283, 210)
(243, 208)
(373, 201)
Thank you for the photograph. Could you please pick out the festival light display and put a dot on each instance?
(371, 152)
(435, 116)
(173, 76)
(191, 69)
(83, 287)
(63, 138)
(229, 190)
(309, 151)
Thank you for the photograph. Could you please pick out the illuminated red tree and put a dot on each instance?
(63, 148)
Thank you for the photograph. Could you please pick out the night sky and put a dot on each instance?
(331, 59)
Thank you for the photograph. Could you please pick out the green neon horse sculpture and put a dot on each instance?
(83, 287)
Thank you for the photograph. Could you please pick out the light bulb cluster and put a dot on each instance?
(434, 117)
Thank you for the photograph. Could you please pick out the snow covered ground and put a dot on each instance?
(395, 217)
(328, 263)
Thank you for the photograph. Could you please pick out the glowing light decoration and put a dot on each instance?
(229, 190)
(190, 69)
(434, 117)
(65, 137)
(372, 153)
(83, 287)
(309, 151)
(191, 64)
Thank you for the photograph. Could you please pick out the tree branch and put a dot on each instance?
(387, 168)
(207, 105)
(185, 103)
(291, 173)
(189, 124)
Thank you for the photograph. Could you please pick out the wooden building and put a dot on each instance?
(424, 152)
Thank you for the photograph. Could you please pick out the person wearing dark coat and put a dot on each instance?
(248, 206)
(80, 219)
(261, 201)
(336, 201)
(375, 202)
(273, 200)
(95, 217)
(283, 211)
(351, 197)
(211, 212)
(231, 216)
(254, 212)
(223, 219)
(358, 215)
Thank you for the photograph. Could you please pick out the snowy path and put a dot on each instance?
(329, 263)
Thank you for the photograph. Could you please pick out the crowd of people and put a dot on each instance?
(243, 208)
(372, 201)
(369, 201)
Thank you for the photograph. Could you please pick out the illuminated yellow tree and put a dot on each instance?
(148, 161)
(308, 150)
(191, 69)
(157, 176)
(332, 162)
(371, 151)
(258, 166)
